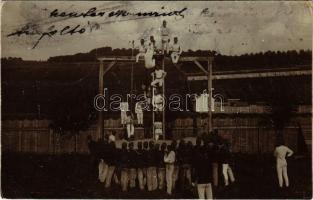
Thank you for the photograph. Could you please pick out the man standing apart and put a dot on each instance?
(281, 151)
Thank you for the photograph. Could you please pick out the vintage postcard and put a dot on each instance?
(156, 99)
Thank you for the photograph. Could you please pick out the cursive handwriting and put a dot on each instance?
(33, 29)
(92, 12)
(52, 31)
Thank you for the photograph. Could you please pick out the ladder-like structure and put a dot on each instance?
(112, 60)
(156, 124)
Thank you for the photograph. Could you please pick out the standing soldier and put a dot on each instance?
(92, 146)
(152, 181)
(161, 165)
(281, 151)
(139, 112)
(176, 163)
(180, 161)
(132, 165)
(130, 125)
(142, 50)
(186, 166)
(225, 158)
(145, 163)
(169, 160)
(140, 165)
(111, 163)
(176, 51)
(124, 164)
(103, 164)
(203, 172)
(165, 37)
(215, 140)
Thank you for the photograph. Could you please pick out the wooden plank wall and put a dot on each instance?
(245, 134)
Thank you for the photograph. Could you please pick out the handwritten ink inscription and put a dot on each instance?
(33, 29)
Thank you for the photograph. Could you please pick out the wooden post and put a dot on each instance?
(210, 61)
(210, 126)
(101, 92)
(164, 106)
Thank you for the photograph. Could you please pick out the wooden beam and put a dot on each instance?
(130, 59)
(239, 75)
(200, 66)
(109, 67)
(117, 58)
(192, 58)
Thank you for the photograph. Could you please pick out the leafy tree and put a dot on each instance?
(71, 111)
(282, 101)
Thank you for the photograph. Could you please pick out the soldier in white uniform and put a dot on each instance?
(176, 51)
(281, 151)
(165, 37)
(158, 76)
(157, 102)
(149, 56)
(158, 130)
(139, 112)
(124, 109)
(129, 125)
(142, 50)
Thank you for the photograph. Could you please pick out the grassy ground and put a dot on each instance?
(69, 176)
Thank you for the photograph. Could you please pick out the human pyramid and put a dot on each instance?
(150, 52)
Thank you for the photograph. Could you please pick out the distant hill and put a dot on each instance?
(269, 58)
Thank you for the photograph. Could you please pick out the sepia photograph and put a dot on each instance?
(156, 99)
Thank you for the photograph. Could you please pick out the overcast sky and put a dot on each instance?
(227, 27)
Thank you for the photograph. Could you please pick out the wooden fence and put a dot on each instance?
(245, 134)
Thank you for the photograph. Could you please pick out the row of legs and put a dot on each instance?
(155, 178)
(151, 62)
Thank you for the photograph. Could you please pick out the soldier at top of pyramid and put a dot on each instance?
(176, 51)
(142, 50)
(165, 37)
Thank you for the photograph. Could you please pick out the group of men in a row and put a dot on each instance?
(148, 50)
(156, 166)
